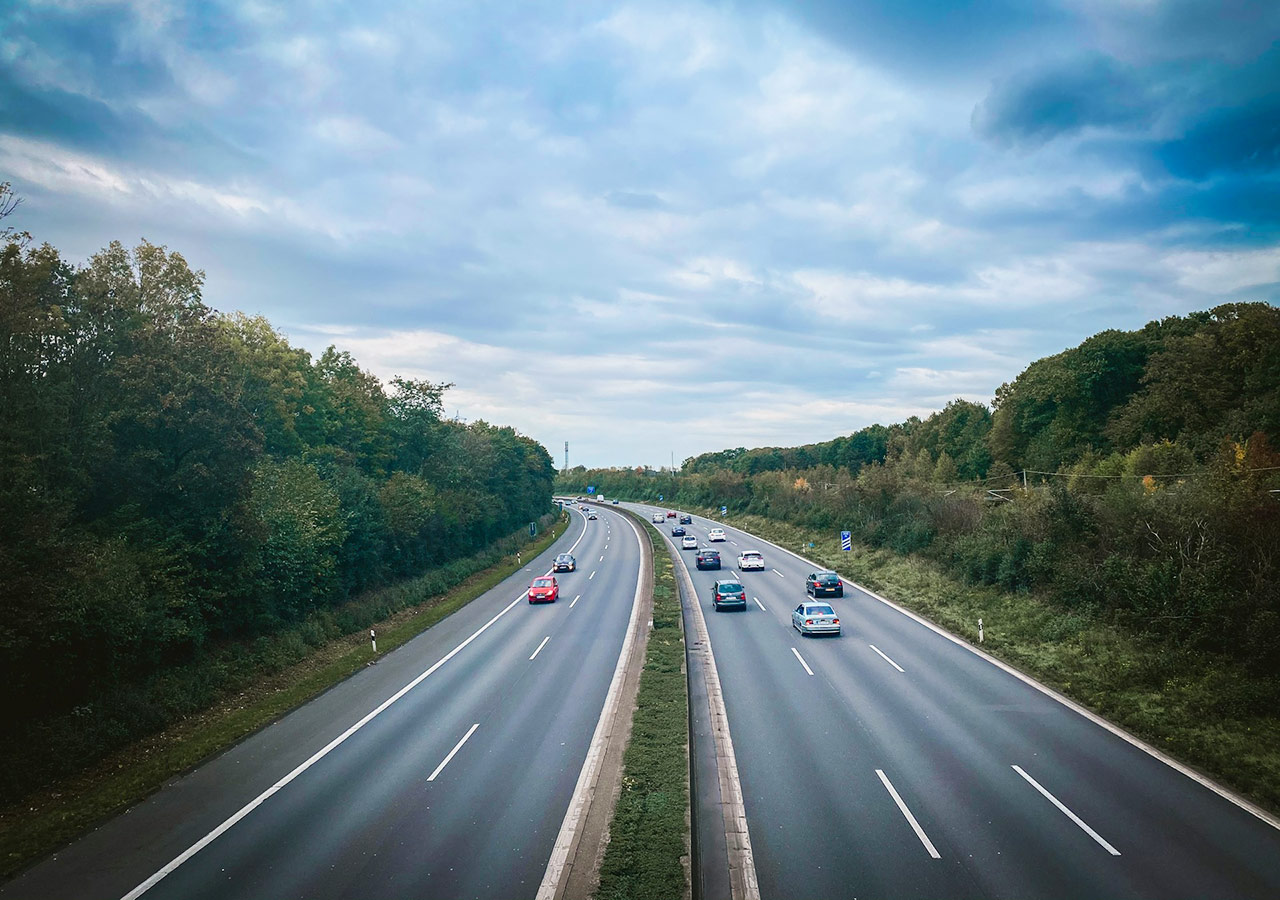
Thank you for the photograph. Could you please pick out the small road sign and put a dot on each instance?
(846, 540)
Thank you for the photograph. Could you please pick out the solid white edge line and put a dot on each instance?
(802, 662)
(924, 838)
(1068, 813)
(739, 841)
(543, 644)
(575, 600)
(595, 754)
(1133, 740)
(456, 747)
(320, 754)
(759, 604)
(885, 658)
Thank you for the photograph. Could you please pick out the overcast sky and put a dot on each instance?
(651, 229)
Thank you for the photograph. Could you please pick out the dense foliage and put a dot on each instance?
(171, 476)
(1158, 513)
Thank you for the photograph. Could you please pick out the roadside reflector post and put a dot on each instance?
(979, 631)
(373, 639)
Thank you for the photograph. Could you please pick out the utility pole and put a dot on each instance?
(566, 456)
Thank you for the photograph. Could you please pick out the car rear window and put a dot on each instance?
(829, 578)
(820, 611)
(730, 588)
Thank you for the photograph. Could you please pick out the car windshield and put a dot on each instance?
(820, 611)
(731, 588)
(542, 582)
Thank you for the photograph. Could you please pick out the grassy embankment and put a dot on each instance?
(649, 835)
(1176, 701)
(259, 684)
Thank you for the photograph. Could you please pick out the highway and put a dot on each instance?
(455, 788)
(890, 762)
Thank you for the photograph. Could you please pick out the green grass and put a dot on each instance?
(649, 835)
(1198, 708)
(43, 822)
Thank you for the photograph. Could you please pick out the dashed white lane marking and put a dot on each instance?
(885, 658)
(735, 543)
(924, 838)
(779, 574)
(802, 662)
(1066, 812)
(575, 600)
(543, 644)
(456, 747)
(592, 575)
(759, 604)
(602, 559)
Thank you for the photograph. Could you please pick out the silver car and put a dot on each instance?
(689, 542)
(815, 618)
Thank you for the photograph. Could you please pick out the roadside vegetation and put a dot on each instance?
(227, 695)
(647, 855)
(1111, 519)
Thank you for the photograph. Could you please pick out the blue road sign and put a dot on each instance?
(846, 541)
(533, 529)
(591, 489)
(723, 510)
(659, 498)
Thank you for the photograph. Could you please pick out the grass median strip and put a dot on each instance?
(1194, 706)
(649, 835)
(46, 821)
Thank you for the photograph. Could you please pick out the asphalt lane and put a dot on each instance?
(949, 778)
(457, 789)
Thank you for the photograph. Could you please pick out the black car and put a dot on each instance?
(728, 593)
(677, 531)
(686, 519)
(565, 563)
(708, 559)
(824, 584)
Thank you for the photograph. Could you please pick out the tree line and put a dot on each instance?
(172, 476)
(1148, 462)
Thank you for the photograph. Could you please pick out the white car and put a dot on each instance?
(750, 559)
(658, 518)
(689, 542)
(716, 534)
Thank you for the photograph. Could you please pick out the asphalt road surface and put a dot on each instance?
(455, 789)
(891, 763)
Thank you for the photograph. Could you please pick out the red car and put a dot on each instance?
(671, 514)
(544, 590)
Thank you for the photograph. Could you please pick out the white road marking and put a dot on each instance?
(456, 747)
(592, 575)
(575, 600)
(601, 559)
(779, 574)
(320, 754)
(885, 658)
(759, 604)
(924, 838)
(588, 776)
(543, 644)
(735, 543)
(1066, 812)
(802, 662)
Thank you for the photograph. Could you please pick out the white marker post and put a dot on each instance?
(979, 631)
(373, 639)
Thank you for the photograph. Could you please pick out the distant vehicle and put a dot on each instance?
(544, 589)
(686, 519)
(658, 518)
(615, 501)
(689, 543)
(583, 506)
(716, 534)
(750, 559)
(708, 559)
(815, 618)
(671, 514)
(728, 593)
(824, 584)
(592, 515)
(677, 531)
(565, 563)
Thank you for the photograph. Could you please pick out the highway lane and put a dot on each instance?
(950, 777)
(456, 789)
